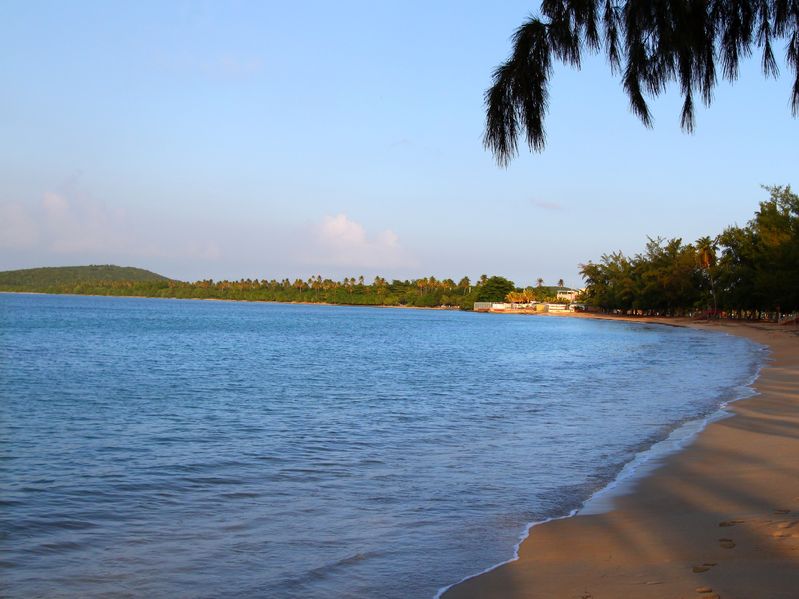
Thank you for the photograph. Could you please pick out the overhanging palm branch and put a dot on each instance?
(652, 43)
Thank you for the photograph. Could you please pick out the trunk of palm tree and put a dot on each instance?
(713, 293)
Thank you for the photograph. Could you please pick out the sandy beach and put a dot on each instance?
(719, 519)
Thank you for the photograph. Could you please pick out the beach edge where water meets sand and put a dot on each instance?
(718, 519)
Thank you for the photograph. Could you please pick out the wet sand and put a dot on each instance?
(719, 519)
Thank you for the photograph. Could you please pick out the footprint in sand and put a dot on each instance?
(707, 593)
(784, 529)
(726, 543)
(730, 522)
(703, 567)
(782, 511)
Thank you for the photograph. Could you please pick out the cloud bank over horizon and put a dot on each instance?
(64, 226)
(72, 227)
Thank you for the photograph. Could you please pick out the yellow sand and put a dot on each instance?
(720, 518)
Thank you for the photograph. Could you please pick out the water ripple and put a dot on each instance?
(205, 449)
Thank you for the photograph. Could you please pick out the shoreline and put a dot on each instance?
(643, 464)
(646, 541)
(241, 301)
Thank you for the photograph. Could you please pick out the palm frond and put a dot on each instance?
(658, 42)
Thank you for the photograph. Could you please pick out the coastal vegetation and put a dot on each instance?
(425, 292)
(744, 272)
(64, 276)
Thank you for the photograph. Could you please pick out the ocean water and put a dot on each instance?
(163, 448)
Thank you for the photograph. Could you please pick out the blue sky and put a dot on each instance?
(253, 139)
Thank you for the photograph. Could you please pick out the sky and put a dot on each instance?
(269, 140)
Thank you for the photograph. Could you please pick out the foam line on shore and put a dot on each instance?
(643, 463)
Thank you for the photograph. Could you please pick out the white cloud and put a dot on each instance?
(18, 230)
(77, 225)
(342, 232)
(81, 224)
(55, 205)
(70, 226)
(340, 241)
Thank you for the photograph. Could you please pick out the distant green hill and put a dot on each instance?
(48, 277)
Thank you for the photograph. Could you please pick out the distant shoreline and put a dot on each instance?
(669, 321)
(245, 301)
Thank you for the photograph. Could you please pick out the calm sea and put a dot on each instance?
(167, 448)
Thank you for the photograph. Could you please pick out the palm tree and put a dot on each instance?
(465, 285)
(560, 283)
(379, 285)
(316, 284)
(706, 256)
(539, 281)
(652, 44)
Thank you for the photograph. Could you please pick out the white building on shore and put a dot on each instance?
(569, 294)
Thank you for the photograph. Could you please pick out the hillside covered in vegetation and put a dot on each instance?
(56, 277)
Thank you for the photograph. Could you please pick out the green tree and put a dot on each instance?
(775, 252)
(612, 283)
(380, 286)
(667, 273)
(748, 270)
(651, 43)
(495, 289)
(736, 269)
(465, 285)
(706, 257)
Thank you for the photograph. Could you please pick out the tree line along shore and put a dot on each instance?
(427, 292)
(749, 271)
